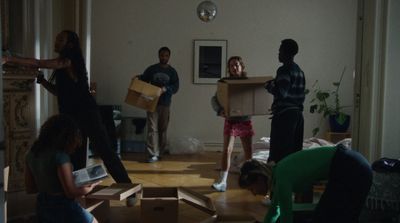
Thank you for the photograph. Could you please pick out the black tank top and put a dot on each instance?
(73, 96)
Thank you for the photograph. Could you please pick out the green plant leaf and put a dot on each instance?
(306, 91)
(322, 95)
(341, 118)
(313, 108)
(326, 102)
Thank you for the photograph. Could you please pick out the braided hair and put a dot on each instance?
(72, 51)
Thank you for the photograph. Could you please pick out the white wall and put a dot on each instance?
(391, 110)
(126, 35)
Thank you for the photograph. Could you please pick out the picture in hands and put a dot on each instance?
(89, 175)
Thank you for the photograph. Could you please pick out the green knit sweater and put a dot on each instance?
(296, 173)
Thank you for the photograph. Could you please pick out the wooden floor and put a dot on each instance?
(196, 172)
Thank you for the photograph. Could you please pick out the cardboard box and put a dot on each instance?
(100, 209)
(240, 97)
(143, 95)
(98, 201)
(116, 191)
(160, 204)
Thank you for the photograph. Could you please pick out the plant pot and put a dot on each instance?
(339, 123)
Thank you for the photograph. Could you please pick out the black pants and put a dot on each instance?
(92, 127)
(287, 130)
(349, 182)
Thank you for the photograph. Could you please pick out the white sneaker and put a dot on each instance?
(153, 159)
(221, 187)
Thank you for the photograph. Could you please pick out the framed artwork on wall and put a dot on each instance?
(209, 61)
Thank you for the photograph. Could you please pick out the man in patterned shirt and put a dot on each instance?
(287, 125)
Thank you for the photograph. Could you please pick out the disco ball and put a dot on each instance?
(206, 11)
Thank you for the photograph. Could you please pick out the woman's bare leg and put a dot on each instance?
(246, 144)
(227, 152)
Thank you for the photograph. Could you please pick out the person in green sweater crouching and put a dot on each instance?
(348, 175)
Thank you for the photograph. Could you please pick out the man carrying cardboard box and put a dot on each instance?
(164, 76)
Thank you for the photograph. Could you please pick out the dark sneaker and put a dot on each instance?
(131, 200)
(153, 159)
(266, 201)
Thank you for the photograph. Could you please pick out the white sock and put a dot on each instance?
(223, 176)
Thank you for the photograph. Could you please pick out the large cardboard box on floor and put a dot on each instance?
(240, 97)
(143, 95)
(116, 191)
(98, 201)
(160, 204)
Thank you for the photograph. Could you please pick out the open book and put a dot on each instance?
(89, 175)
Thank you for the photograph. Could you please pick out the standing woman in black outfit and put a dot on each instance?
(74, 99)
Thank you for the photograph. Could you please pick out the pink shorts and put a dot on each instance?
(238, 128)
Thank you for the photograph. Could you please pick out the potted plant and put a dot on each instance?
(327, 103)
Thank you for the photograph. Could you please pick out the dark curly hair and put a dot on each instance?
(164, 48)
(251, 170)
(56, 133)
(289, 47)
